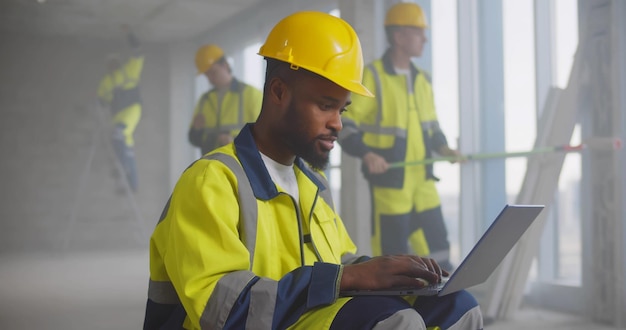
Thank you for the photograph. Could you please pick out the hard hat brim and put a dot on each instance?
(357, 88)
(351, 85)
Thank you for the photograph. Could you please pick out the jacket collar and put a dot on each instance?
(389, 69)
(252, 163)
(236, 86)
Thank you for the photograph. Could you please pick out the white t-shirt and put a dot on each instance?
(283, 176)
(407, 74)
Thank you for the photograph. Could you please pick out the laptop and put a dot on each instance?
(485, 256)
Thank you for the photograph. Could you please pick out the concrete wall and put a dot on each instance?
(47, 87)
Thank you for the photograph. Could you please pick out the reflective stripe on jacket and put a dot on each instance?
(237, 251)
(381, 124)
(239, 105)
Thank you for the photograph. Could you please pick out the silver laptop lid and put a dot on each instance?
(493, 246)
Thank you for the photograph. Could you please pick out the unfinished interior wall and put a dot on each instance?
(47, 88)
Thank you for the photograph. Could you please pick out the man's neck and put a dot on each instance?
(225, 87)
(400, 60)
(269, 145)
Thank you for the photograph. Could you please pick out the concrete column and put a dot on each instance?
(481, 102)
(367, 18)
(491, 110)
(469, 123)
(545, 75)
(182, 102)
(618, 27)
(602, 31)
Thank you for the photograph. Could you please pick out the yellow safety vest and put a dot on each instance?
(119, 89)
(401, 127)
(241, 104)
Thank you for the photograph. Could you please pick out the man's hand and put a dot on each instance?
(447, 152)
(375, 163)
(198, 121)
(224, 139)
(391, 272)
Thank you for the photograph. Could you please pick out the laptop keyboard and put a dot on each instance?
(435, 287)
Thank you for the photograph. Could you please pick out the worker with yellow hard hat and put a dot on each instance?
(222, 111)
(250, 237)
(400, 125)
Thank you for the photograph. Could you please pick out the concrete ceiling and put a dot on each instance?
(152, 20)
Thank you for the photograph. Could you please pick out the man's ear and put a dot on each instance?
(278, 90)
(396, 35)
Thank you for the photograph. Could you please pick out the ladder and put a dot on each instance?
(101, 136)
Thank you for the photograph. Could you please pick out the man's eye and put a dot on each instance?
(342, 110)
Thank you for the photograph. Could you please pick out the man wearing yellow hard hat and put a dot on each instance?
(250, 237)
(222, 111)
(400, 125)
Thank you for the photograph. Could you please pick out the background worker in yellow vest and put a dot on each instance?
(222, 111)
(250, 238)
(119, 91)
(400, 125)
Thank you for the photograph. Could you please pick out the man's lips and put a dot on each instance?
(328, 143)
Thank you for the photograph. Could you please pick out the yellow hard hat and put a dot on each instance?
(206, 56)
(406, 14)
(320, 43)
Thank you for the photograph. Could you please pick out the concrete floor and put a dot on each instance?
(94, 290)
(107, 290)
(528, 318)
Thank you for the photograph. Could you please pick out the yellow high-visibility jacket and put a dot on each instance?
(401, 127)
(235, 249)
(119, 90)
(239, 105)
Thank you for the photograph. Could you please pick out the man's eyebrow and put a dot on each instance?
(332, 99)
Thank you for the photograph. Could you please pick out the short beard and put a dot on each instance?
(315, 160)
(306, 150)
(303, 148)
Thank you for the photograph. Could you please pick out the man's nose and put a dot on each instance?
(335, 121)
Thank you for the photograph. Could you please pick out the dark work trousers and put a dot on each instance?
(396, 229)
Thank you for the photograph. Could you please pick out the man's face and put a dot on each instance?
(312, 119)
(411, 40)
(219, 74)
